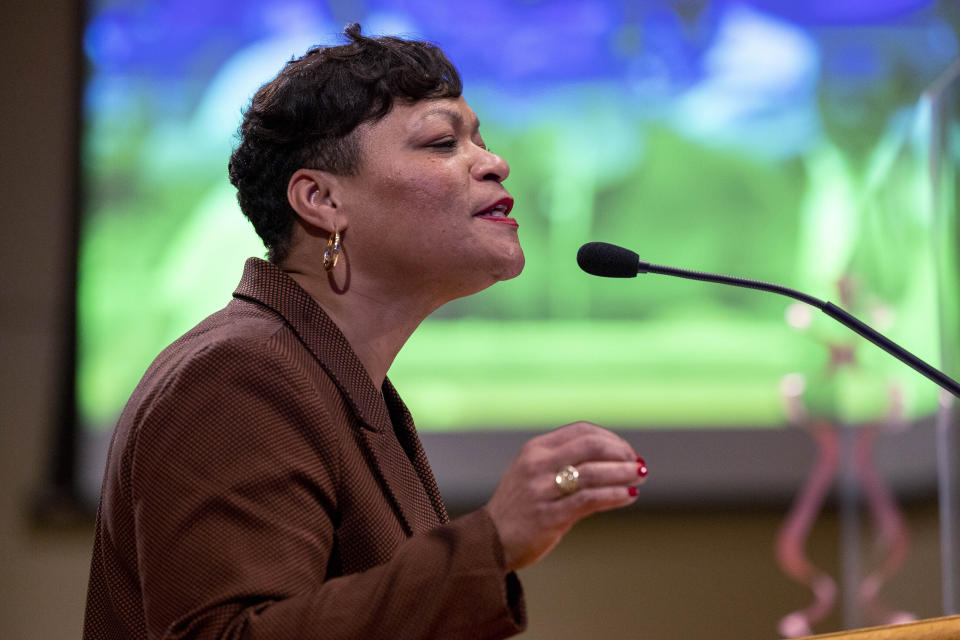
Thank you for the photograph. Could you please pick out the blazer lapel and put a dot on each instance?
(402, 482)
(410, 441)
(266, 284)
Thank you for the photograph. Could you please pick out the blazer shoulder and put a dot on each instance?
(242, 342)
(243, 331)
(248, 377)
(241, 352)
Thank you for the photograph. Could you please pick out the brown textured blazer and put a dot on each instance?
(259, 486)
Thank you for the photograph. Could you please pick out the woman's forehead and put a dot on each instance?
(410, 117)
(456, 111)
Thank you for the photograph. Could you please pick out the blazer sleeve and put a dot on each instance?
(232, 478)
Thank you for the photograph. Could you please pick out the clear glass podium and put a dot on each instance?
(911, 200)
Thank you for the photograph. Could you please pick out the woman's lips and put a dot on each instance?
(501, 219)
(499, 211)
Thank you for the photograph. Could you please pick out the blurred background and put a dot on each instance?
(783, 141)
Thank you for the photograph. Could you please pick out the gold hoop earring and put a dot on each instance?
(332, 252)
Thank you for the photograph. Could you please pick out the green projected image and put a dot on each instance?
(756, 139)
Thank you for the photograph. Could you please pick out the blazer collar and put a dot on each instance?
(393, 443)
(266, 284)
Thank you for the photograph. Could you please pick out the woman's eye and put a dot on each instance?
(444, 144)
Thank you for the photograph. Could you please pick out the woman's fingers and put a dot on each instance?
(577, 430)
(585, 502)
(532, 510)
(592, 448)
(610, 474)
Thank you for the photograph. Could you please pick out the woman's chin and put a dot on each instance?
(509, 265)
(516, 266)
(503, 268)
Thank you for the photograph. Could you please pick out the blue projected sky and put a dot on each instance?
(731, 65)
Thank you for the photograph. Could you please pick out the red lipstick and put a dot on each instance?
(499, 211)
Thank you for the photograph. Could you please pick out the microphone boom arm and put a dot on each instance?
(832, 310)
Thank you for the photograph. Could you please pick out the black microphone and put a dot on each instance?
(608, 260)
(611, 261)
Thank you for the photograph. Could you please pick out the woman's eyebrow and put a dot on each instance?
(452, 115)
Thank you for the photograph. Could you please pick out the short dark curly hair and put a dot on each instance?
(305, 118)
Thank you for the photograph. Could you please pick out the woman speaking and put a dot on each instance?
(265, 480)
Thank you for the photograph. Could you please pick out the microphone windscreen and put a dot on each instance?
(608, 260)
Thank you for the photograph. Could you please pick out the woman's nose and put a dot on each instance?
(490, 166)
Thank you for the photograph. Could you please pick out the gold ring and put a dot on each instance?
(568, 479)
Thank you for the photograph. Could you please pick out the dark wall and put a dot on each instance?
(43, 579)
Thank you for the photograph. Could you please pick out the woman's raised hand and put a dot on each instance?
(532, 509)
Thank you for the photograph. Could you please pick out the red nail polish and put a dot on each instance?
(642, 469)
(632, 491)
(640, 460)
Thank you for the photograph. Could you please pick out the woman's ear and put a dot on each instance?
(313, 195)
